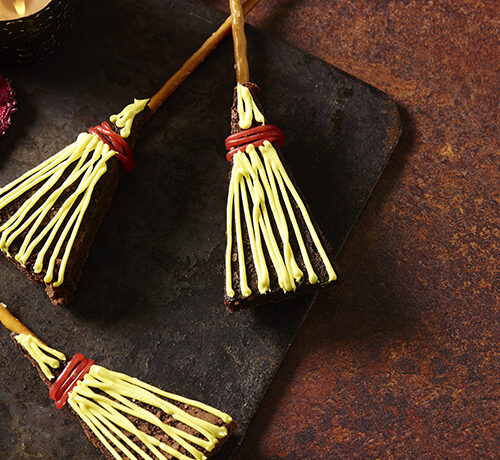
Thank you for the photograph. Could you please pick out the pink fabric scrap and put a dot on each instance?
(7, 104)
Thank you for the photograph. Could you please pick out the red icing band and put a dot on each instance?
(74, 371)
(116, 143)
(255, 136)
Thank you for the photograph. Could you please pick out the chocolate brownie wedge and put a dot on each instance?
(275, 249)
(50, 215)
(122, 416)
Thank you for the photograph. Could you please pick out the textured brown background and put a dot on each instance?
(399, 360)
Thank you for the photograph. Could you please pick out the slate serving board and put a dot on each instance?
(150, 300)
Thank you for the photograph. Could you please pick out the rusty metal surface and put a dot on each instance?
(399, 361)
(150, 299)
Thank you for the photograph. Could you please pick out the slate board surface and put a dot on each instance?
(150, 300)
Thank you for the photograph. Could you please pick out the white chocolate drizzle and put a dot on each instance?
(43, 355)
(262, 191)
(82, 163)
(247, 108)
(125, 118)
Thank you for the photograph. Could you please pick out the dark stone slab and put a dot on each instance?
(150, 300)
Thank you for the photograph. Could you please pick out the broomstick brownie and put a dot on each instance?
(50, 215)
(122, 416)
(274, 248)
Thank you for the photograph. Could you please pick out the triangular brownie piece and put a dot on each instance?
(122, 416)
(275, 249)
(50, 215)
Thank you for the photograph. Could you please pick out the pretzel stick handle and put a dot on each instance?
(240, 41)
(195, 60)
(12, 323)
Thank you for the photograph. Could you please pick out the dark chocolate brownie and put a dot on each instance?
(148, 428)
(97, 209)
(276, 294)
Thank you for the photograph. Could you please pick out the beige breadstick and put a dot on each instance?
(240, 42)
(12, 323)
(195, 60)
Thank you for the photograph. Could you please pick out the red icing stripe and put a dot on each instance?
(74, 371)
(255, 136)
(116, 143)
